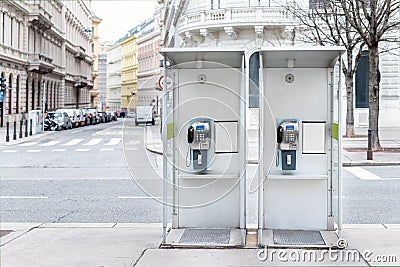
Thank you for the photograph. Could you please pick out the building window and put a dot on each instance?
(362, 81)
(254, 68)
(17, 96)
(3, 27)
(10, 96)
(11, 31)
(27, 95)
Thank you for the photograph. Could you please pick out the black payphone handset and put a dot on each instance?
(190, 134)
(279, 134)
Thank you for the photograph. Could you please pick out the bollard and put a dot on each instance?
(15, 131)
(21, 123)
(8, 132)
(30, 127)
(26, 128)
(369, 150)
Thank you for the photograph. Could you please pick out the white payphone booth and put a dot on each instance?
(203, 126)
(299, 166)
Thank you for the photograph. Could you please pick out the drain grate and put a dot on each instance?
(205, 236)
(298, 237)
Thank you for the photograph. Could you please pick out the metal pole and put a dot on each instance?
(8, 132)
(26, 128)
(15, 131)
(369, 150)
(30, 127)
(21, 122)
(165, 160)
(44, 105)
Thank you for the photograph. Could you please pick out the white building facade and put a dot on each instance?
(149, 70)
(43, 55)
(113, 94)
(256, 23)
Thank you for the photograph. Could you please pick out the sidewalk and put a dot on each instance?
(18, 140)
(353, 153)
(115, 244)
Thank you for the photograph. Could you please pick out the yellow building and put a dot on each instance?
(94, 93)
(129, 73)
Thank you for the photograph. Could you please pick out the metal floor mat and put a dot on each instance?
(205, 236)
(297, 237)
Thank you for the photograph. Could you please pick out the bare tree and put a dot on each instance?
(374, 20)
(325, 24)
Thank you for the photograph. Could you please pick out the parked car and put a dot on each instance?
(80, 117)
(102, 117)
(112, 114)
(107, 116)
(51, 123)
(62, 119)
(72, 115)
(92, 115)
(131, 114)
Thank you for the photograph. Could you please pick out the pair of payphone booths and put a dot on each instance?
(205, 147)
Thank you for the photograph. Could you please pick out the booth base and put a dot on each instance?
(298, 239)
(203, 238)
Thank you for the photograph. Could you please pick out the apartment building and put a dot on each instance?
(44, 55)
(114, 58)
(256, 23)
(149, 70)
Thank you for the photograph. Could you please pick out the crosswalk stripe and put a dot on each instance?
(50, 143)
(28, 144)
(73, 142)
(113, 142)
(9, 151)
(93, 142)
(363, 174)
(33, 151)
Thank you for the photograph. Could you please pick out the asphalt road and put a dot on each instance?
(103, 173)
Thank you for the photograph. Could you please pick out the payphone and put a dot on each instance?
(199, 136)
(288, 143)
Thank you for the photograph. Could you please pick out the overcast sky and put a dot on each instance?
(120, 16)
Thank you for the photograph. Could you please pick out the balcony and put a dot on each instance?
(39, 17)
(235, 17)
(40, 63)
(80, 81)
(80, 52)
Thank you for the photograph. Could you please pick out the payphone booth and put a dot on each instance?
(203, 129)
(300, 143)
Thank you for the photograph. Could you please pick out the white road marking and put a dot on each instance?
(82, 150)
(34, 151)
(9, 151)
(131, 149)
(93, 142)
(50, 143)
(28, 144)
(107, 149)
(113, 142)
(77, 131)
(73, 142)
(362, 173)
(59, 150)
(23, 197)
(138, 197)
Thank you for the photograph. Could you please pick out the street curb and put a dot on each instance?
(363, 163)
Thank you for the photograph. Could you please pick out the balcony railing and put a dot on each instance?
(236, 17)
(39, 17)
(40, 63)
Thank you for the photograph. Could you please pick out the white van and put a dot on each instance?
(145, 114)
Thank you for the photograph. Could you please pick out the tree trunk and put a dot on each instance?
(374, 80)
(350, 109)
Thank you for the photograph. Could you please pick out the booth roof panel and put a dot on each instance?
(203, 57)
(303, 57)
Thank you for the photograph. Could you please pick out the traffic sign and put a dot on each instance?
(1, 96)
(162, 81)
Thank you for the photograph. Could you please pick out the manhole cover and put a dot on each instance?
(205, 236)
(298, 237)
